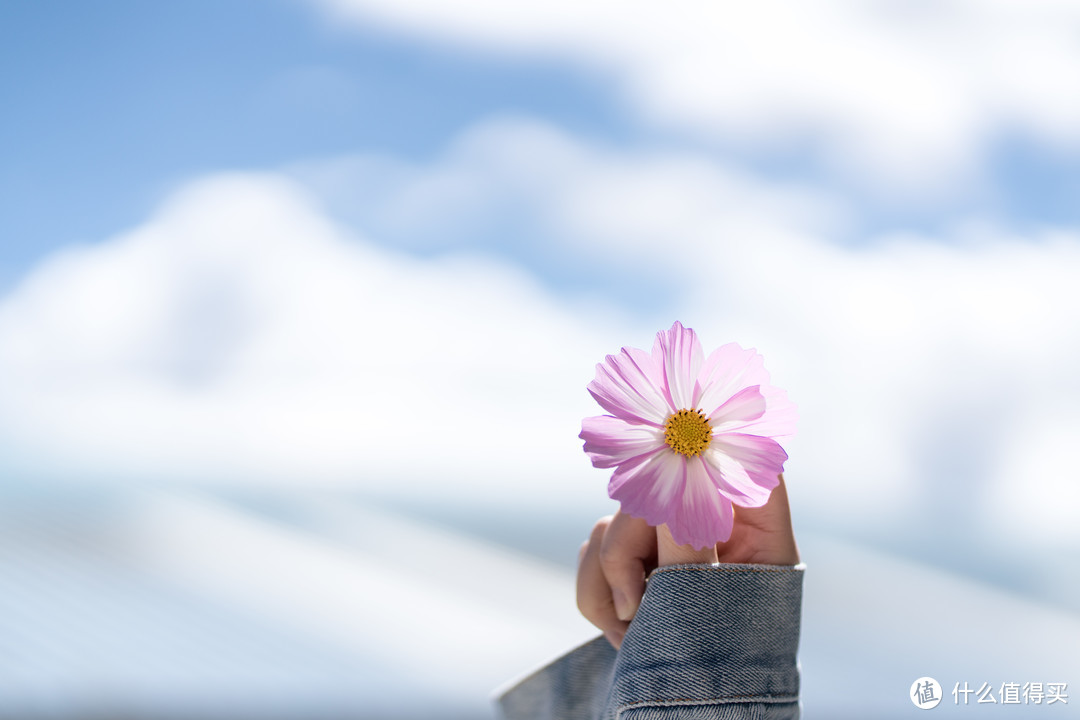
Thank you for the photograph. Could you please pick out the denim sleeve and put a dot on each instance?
(709, 642)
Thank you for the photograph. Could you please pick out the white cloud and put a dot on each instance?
(919, 363)
(611, 208)
(238, 335)
(906, 95)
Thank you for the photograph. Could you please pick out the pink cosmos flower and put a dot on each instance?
(688, 435)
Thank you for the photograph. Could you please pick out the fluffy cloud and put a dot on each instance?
(240, 335)
(905, 95)
(932, 372)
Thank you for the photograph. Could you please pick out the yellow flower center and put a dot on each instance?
(688, 432)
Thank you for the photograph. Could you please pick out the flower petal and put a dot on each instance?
(668, 488)
(745, 467)
(742, 407)
(678, 352)
(628, 385)
(610, 441)
(780, 416)
(649, 486)
(703, 517)
(728, 370)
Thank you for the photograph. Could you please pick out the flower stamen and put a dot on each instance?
(688, 432)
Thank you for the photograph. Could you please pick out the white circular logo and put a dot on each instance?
(925, 693)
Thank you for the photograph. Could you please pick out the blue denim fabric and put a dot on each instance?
(709, 642)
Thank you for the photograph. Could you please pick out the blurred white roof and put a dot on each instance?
(168, 605)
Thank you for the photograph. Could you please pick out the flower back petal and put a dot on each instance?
(703, 517)
(745, 467)
(728, 370)
(779, 420)
(679, 353)
(650, 486)
(610, 441)
(628, 386)
(746, 405)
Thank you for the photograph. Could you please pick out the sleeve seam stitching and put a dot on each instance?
(722, 569)
(721, 700)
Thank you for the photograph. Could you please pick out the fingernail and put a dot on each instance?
(615, 637)
(624, 606)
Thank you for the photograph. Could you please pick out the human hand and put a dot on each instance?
(622, 550)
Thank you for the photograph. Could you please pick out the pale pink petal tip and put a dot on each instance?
(629, 386)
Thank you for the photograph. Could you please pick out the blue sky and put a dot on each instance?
(109, 105)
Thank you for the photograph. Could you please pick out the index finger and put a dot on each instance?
(593, 591)
(671, 553)
(627, 545)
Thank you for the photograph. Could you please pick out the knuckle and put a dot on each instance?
(590, 608)
(596, 612)
(601, 527)
(614, 557)
(610, 555)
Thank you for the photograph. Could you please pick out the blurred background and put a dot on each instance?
(299, 299)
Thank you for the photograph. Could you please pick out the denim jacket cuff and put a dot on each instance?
(711, 635)
(708, 641)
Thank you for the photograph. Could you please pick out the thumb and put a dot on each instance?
(670, 553)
